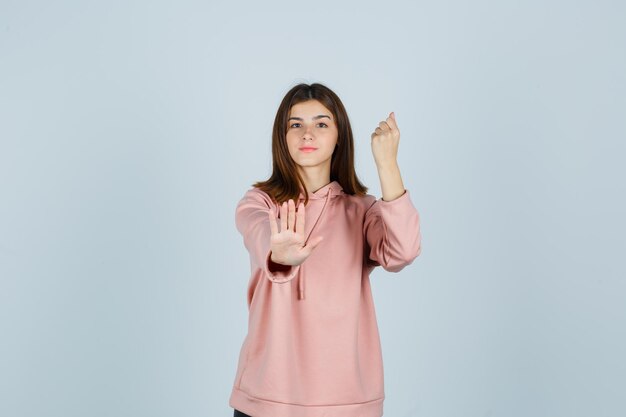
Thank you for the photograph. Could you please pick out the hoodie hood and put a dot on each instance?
(326, 193)
(333, 189)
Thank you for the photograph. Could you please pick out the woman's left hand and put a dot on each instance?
(385, 141)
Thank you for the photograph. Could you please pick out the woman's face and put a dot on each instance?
(311, 125)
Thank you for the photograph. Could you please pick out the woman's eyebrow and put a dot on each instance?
(319, 116)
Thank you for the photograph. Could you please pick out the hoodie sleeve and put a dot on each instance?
(252, 221)
(392, 233)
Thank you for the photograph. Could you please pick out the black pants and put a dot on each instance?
(240, 414)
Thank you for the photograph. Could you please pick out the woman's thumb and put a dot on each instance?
(312, 245)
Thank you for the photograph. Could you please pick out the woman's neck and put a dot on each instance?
(315, 182)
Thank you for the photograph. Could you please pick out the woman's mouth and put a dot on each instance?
(306, 149)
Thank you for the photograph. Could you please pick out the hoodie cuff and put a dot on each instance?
(402, 196)
(279, 273)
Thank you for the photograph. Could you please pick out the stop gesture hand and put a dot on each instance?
(287, 245)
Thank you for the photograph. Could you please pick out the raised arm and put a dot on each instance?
(392, 232)
(392, 224)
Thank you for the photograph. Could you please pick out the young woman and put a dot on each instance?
(313, 346)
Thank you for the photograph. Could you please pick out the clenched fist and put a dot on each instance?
(385, 140)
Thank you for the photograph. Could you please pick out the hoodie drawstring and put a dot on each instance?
(301, 275)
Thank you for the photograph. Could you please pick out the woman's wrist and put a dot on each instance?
(275, 266)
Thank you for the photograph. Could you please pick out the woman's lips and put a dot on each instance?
(308, 149)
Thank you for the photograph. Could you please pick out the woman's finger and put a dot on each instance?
(313, 244)
(300, 219)
(283, 216)
(291, 218)
(273, 225)
(391, 121)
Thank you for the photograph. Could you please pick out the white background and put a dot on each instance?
(130, 129)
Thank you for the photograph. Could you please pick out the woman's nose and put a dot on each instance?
(307, 134)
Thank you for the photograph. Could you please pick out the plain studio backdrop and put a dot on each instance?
(129, 130)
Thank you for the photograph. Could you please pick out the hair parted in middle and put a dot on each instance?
(285, 182)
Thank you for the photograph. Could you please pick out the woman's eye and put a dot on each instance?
(294, 124)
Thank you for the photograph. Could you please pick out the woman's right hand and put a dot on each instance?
(287, 245)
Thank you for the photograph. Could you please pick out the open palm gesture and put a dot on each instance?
(287, 245)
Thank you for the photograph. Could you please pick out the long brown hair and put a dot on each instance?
(285, 181)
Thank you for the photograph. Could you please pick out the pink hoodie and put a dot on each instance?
(313, 348)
